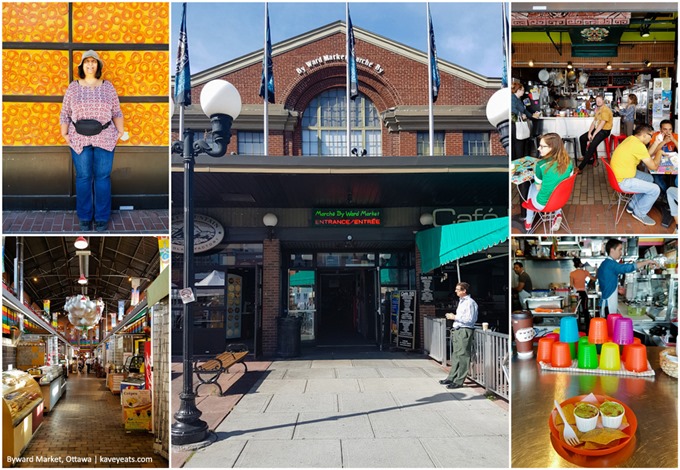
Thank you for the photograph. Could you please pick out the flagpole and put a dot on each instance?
(347, 90)
(430, 110)
(266, 82)
(181, 122)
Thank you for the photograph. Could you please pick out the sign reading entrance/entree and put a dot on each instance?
(346, 217)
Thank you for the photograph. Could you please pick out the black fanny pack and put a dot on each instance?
(90, 127)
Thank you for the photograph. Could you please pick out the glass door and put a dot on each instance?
(302, 300)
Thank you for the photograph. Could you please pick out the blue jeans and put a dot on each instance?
(647, 192)
(533, 192)
(93, 183)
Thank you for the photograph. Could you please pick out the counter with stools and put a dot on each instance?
(571, 128)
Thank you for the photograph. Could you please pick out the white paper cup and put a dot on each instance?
(613, 422)
(586, 424)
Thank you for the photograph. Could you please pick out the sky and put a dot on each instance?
(466, 34)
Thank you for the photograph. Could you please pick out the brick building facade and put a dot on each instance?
(337, 278)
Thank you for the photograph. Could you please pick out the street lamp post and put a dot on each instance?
(221, 102)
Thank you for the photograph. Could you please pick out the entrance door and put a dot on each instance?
(342, 313)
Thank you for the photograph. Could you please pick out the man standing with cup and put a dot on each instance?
(462, 335)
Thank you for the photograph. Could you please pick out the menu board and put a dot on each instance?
(406, 319)
(234, 305)
(137, 412)
(426, 289)
(30, 354)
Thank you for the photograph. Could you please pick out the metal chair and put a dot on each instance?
(558, 199)
(622, 196)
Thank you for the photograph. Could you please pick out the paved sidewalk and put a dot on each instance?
(353, 409)
(154, 222)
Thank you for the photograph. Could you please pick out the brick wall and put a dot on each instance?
(403, 83)
(546, 53)
(271, 294)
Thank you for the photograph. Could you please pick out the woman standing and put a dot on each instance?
(520, 148)
(91, 123)
(554, 167)
(578, 280)
(628, 114)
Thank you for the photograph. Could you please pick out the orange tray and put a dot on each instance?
(630, 430)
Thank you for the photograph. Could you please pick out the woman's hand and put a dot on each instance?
(68, 141)
(120, 133)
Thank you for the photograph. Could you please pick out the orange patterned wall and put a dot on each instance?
(35, 22)
(29, 72)
(38, 124)
(112, 22)
(133, 73)
(40, 72)
(31, 124)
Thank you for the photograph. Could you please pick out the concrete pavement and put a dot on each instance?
(355, 409)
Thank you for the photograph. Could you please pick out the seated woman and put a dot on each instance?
(554, 167)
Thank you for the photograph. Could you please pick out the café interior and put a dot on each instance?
(565, 55)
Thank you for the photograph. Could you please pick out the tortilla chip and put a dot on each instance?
(603, 436)
(568, 413)
(595, 446)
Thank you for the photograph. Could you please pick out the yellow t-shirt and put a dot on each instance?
(605, 114)
(627, 156)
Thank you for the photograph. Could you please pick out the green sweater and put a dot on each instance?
(549, 178)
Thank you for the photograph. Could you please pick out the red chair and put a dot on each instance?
(615, 140)
(558, 199)
(623, 196)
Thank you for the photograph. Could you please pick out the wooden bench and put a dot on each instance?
(213, 368)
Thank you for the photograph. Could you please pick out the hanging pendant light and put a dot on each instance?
(82, 280)
(80, 243)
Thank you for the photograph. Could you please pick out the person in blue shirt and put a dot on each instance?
(462, 334)
(608, 275)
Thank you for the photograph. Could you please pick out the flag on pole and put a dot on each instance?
(268, 67)
(506, 29)
(182, 73)
(436, 82)
(352, 60)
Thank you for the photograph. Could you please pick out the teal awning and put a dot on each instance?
(301, 278)
(441, 245)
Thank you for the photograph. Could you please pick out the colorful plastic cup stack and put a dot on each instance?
(587, 356)
(544, 352)
(611, 321)
(560, 356)
(597, 334)
(569, 333)
(636, 358)
(623, 331)
(610, 359)
(624, 354)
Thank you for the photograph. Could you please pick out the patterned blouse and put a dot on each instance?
(100, 103)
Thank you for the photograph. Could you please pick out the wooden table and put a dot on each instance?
(654, 402)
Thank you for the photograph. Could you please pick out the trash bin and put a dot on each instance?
(288, 336)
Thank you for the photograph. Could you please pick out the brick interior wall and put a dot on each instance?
(9, 356)
(271, 294)
(635, 56)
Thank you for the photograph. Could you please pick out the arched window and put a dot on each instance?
(324, 125)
